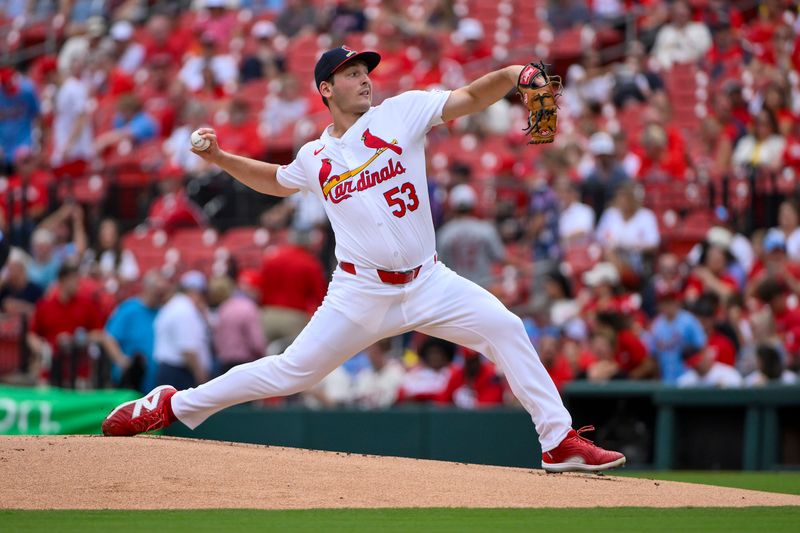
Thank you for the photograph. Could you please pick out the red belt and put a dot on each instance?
(388, 276)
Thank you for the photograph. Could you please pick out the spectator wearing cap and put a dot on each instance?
(470, 36)
(182, 346)
(18, 295)
(629, 233)
(724, 235)
(61, 326)
(473, 384)
(130, 334)
(763, 147)
(19, 110)
(210, 70)
(131, 123)
(576, 219)
(466, 244)
(292, 287)
(673, 332)
(608, 174)
(72, 133)
(238, 333)
(265, 62)
(770, 369)
(703, 370)
(428, 379)
(682, 40)
(128, 53)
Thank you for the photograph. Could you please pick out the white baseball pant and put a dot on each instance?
(358, 311)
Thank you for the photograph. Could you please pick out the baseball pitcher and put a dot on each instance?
(368, 169)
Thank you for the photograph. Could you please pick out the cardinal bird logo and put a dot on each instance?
(373, 141)
(324, 172)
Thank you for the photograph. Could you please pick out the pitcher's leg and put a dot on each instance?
(328, 340)
(462, 312)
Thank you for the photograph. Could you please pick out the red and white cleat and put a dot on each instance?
(578, 454)
(148, 413)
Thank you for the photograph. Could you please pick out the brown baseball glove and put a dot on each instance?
(539, 93)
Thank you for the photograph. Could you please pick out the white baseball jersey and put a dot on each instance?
(373, 184)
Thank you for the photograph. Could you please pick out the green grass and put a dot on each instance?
(786, 482)
(755, 519)
(598, 520)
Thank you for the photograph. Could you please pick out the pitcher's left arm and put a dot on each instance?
(481, 93)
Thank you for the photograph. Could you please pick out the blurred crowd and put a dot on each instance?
(657, 239)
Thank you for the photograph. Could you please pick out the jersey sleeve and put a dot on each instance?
(421, 110)
(293, 175)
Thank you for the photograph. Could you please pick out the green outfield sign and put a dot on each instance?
(53, 411)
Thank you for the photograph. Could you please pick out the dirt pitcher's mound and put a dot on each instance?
(83, 472)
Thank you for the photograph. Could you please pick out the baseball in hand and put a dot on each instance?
(199, 142)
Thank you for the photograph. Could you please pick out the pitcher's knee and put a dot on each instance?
(506, 322)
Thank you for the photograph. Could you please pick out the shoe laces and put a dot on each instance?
(584, 429)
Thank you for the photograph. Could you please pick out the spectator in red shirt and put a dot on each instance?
(662, 155)
(706, 309)
(554, 361)
(428, 380)
(473, 48)
(473, 384)
(629, 353)
(786, 318)
(164, 36)
(292, 287)
(24, 197)
(241, 130)
(218, 21)
(63, 323)
(435, 71)
(712, 275)
(774, 264)
(174, 209)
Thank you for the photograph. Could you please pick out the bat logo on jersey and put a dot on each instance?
(341, 186)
